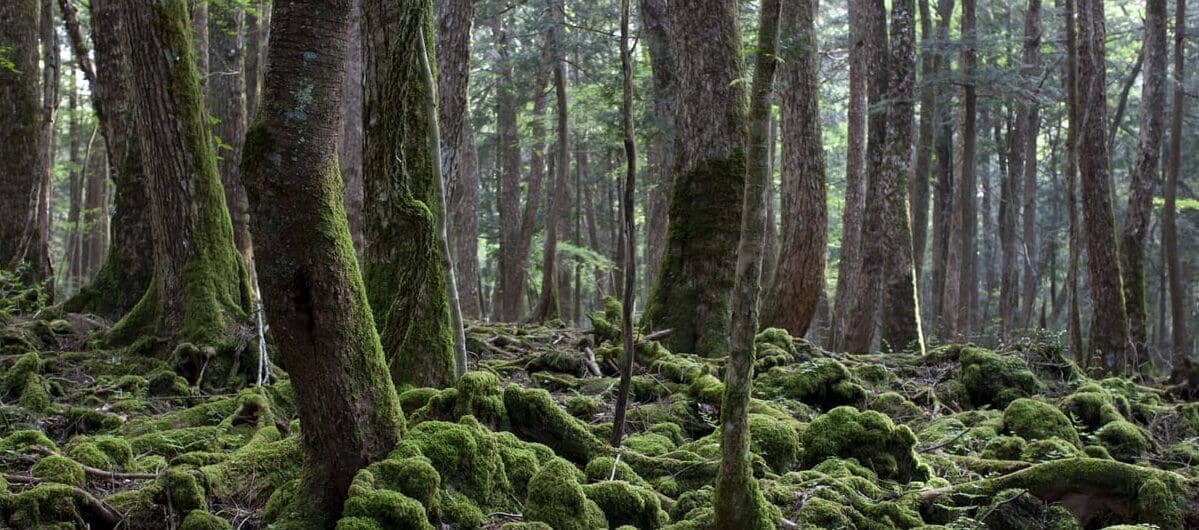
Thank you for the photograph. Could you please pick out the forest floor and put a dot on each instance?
(961, 437)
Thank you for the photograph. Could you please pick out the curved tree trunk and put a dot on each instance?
(1144, 175)
(404, 278)
(200, 289)
(799, 279)
(312, 290)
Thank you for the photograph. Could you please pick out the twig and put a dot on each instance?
(946, 442)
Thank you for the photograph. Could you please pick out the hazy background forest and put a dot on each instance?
(687, 264)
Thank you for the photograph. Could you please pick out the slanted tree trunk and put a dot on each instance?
(1144, 175)
(850, 261)
(128, 266)
(459, 159)
(961, 278)
(739, 501)
(404, 277)
(547, 305)
(1178, 316)
(200, 289)
(655, 33)
(1109, 322)
(312, 290)
(1032, 132)
(20, 127)
(791, 300)
(227, 105)
(863, 308)
(691, 295)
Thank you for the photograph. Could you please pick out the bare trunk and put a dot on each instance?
(20, 130)
(960, 276)
(227, 104)
(350, 144)
(547, 306)
(1032, 132)
(1178, 334)
(655, 32)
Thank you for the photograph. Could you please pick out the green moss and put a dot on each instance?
(202, 520)
(993, 379)
(870, 437)
(1188, 420)
(627, 504)
(1047, 449)
(821, 513)
(536, 417)
(607, 468)
(20, 441)
(83, 420)
(468, 458)
(56, 468)
(181, 489)
(1004, 448)
(1091, 409)
(1037, 420)
(583, 407)
(17, 376)
(279, 503)
(385, 509)
(48, 505)
(650, 444)
(1124, 441)
(256, 469)
(670, 430)
(35, 397)
(824, 383)
(101, 452)
(776, 441)
(557, 499)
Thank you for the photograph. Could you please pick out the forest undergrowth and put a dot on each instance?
(962, 437)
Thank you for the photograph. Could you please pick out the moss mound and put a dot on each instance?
(871, 438)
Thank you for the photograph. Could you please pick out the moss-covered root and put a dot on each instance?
(1097, 490)
(536, 417)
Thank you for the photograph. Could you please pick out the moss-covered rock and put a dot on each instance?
(650, 444)
(202, 520)
(536, 417)
(871, 438)
(627, 504)
(993, 379)
(1047, 449)
(556, 498)
(824, 383)
(1036, 420)
(583, 407)
(775, 440)
(1004, 448)
(60, 469)
(1093, 408)
(1124, 441)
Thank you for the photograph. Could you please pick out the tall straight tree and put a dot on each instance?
(850, 260)
(1178, 316)
(405, 280)
(942, 200)
(226, 102)
(547, 305)
(36, 241)
(128, 266)
(739, 501)
(1031, 129)
(349, 147)
(691, 296)
(20, 127)
(1108, 343)
(655, 33)
(799, 279)
(312, 289)
(1144, 175)
(1070, 74)
(459, 162)
(200, 289)
(960, 275)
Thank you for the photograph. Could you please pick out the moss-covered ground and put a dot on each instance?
(962, 438)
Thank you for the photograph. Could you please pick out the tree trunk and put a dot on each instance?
(95, 212)
(1144, 175)
(770, 253)
(739, 501)
(918, 189)
(863, 308)
(960, 277)
(694, 283)
(547, 306)
(227, 105)
(1109, 322)
(849, 261)
(200, 289)
(404, 277)
(454, 21)
(1074, 313)
(1032, 132)
(20, 128)
(1178, 334)
(37, 242)
(198, 9)
(1009, 196)
(73, 255)
(349, 149)
(943, 192)
(629, 226)
(799, 279)
(655, 33)
(312, 290)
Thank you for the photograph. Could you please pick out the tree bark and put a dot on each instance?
(404, 277)
(547, 306)
(73, 255)
(694, 283)
(226, 101)
(1032, 132)
(1144, 176)
(943, 192)
(1009, 196)
(349, 149)
(629, 226)
(799, 279)
(200, 289)
(313, 292)
(655, 33)
(1109, 322)
(739, 501)
(36, 242)
(1178, 316)
(459, 160)
(95, 212)
(961, 277)
(918, 188)
(20, 132)
(1074, 313)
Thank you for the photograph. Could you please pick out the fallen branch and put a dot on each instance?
(97, 472)
(99, 514)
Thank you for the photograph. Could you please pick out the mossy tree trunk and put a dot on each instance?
(200, 289)
(312, 289)
(404, 278)
(20, 127)
(349, 147)
(799, 280)
(1144, 176)
(655, 32)
(738, 501)
(128, 266)
(1109, 322)
(694, 284)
